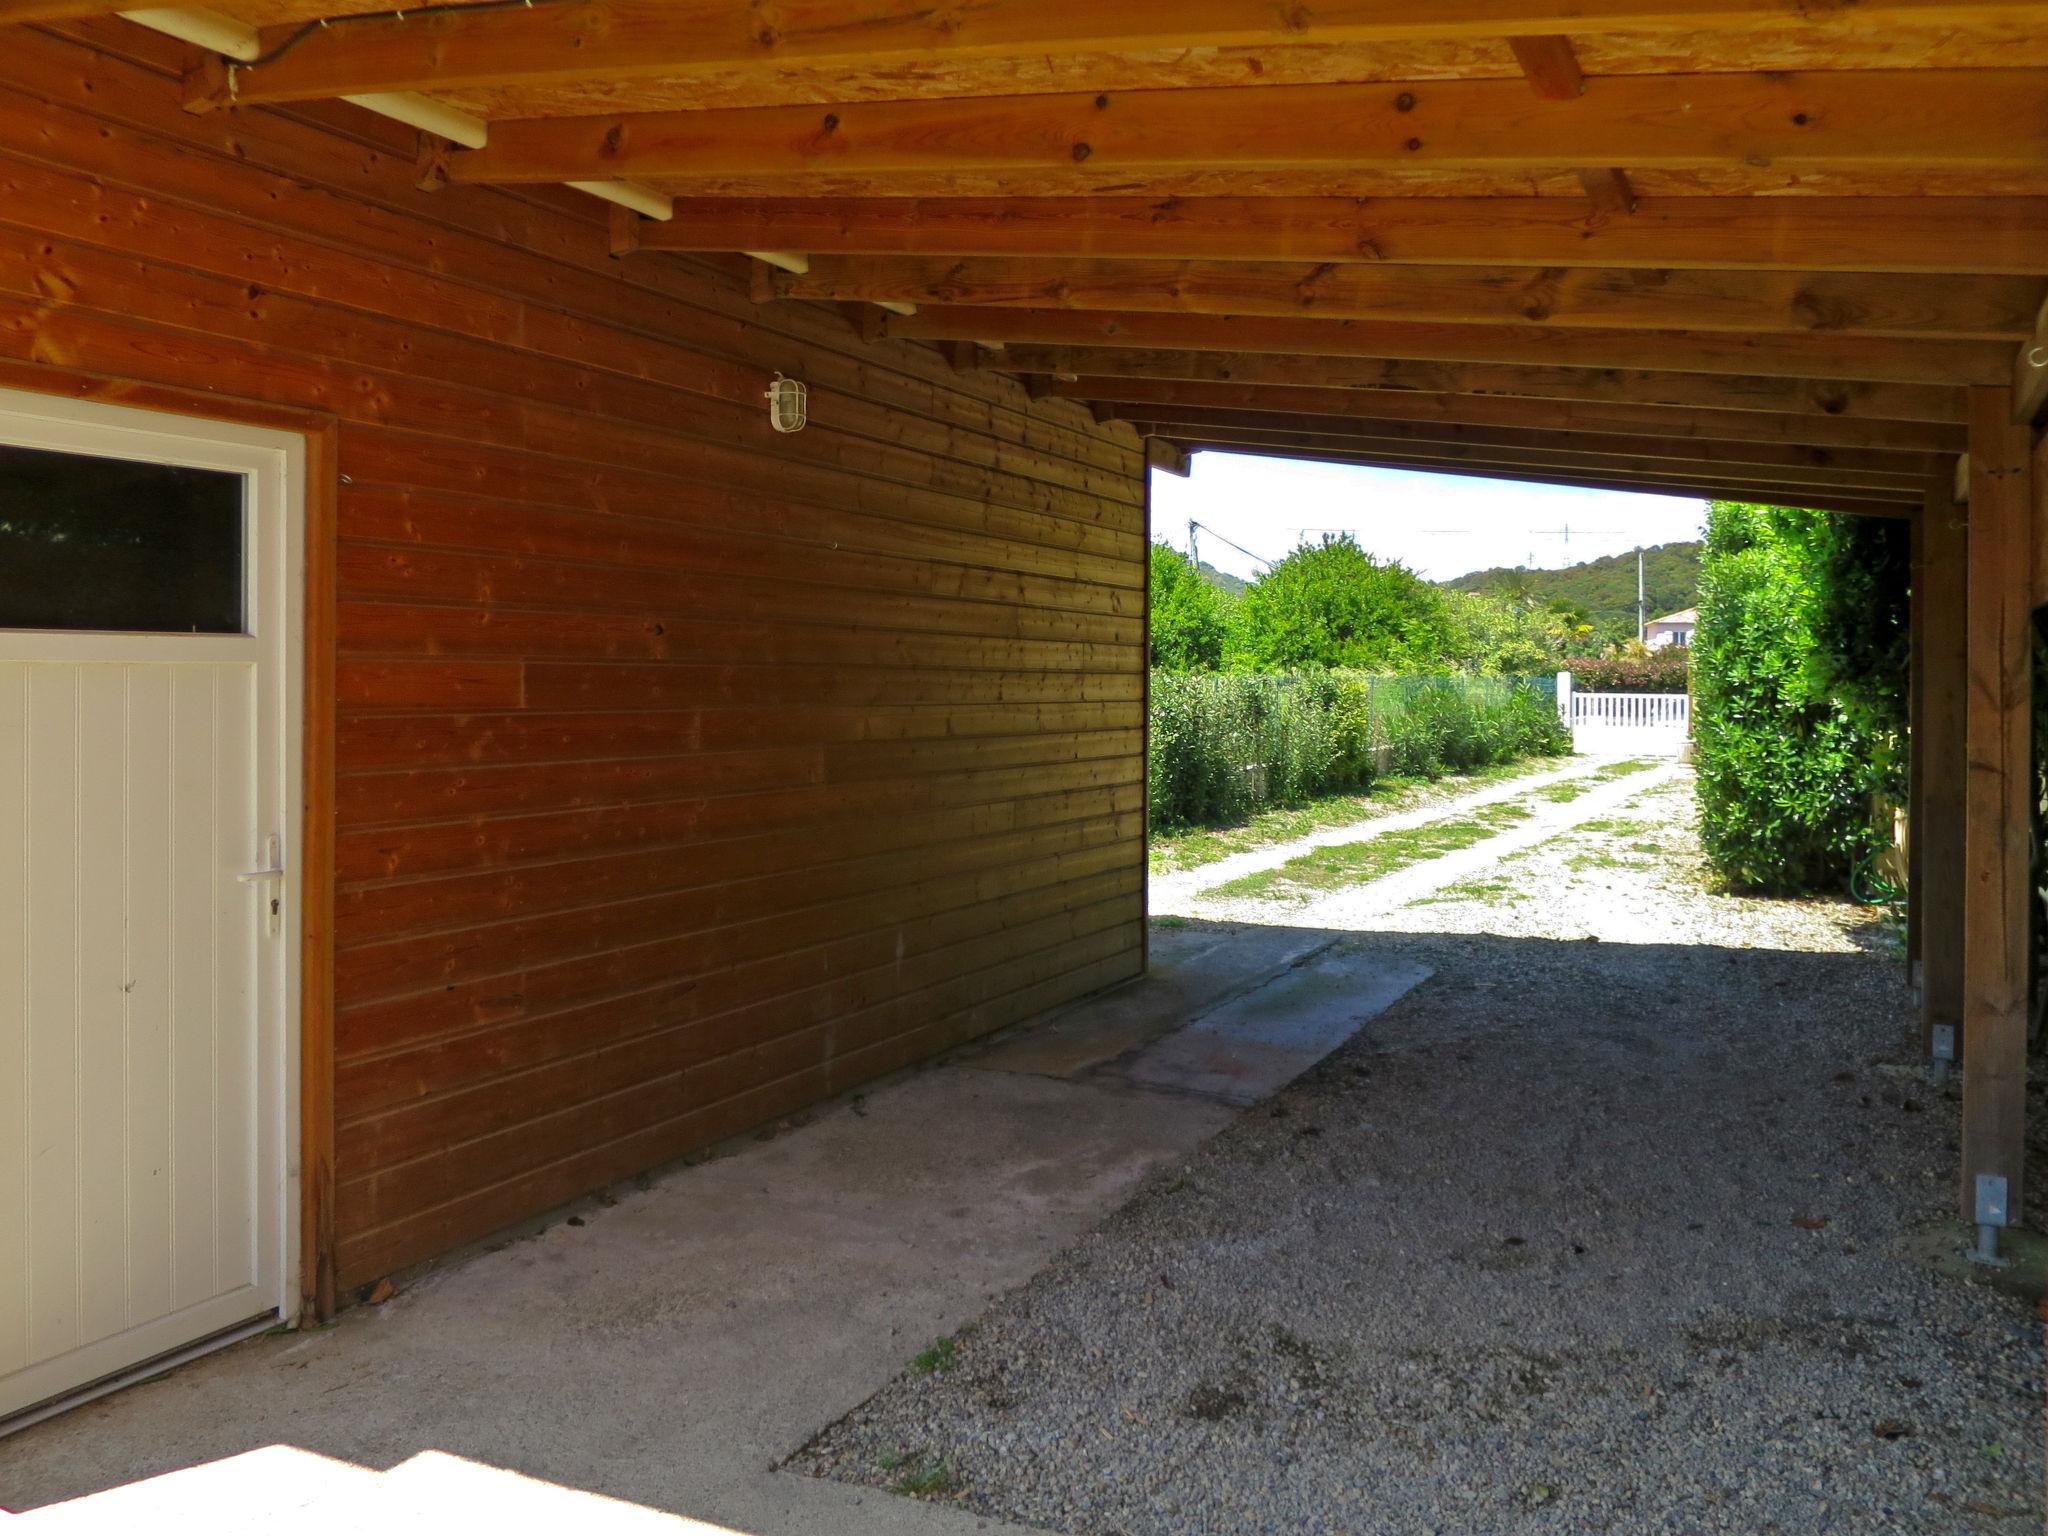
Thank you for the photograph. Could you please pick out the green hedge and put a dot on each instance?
(1662, 671)
(1223, 747)
(1799, 692)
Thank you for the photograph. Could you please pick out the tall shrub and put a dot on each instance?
(1187, 617)
(1796, 701)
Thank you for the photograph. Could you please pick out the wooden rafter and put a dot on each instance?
(1611, 193)
(1550, 66)
(1877, 304)
(1833, 398)
(1875, 358)
(1981, 120)
(621, 40)
(1160, 398)
(1814, 234)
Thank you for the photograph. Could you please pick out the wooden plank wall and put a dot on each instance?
(686, 773)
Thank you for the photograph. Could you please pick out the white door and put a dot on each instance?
(149, 656)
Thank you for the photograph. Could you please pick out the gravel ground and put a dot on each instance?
(1603, 1229)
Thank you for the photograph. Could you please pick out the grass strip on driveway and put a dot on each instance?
(1193, 847)
(1343, 864)
(1570, 789)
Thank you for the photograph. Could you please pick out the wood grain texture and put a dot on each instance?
(1940, 762)
(1130, 398)
(1810, 355)
(1986, 121)
(1750, 303)
(1875, 234)
(669, 39)
(682, 772)
(1998, 791)
(1835, 399)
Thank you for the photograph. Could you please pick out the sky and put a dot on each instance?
(1438, 525)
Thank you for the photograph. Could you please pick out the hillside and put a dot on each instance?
(1222, 581)
(1604, 590)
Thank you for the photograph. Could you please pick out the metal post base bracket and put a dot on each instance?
(1942, 1054)
(1991, 1217)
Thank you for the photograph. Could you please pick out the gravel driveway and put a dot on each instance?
(1606, 1228)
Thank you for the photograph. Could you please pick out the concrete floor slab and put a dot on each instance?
(665, 1351)
(1193, 969)
(1261, 1040)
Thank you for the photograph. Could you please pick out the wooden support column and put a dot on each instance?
(1940, 684)
(1916, 767)
(1997, 830)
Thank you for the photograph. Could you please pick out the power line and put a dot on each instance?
(1194, 554)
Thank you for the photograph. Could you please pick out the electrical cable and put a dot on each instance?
(300, 33)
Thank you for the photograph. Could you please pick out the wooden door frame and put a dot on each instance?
(321, 434)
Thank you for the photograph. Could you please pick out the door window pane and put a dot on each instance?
(92, 543)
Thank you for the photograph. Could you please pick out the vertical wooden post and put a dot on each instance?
(1998, 824)
(1916, 745)
(1145, 733)
(1939, 760)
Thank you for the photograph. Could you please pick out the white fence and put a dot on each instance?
(1656, 723)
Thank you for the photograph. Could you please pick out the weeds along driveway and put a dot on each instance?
(1611, 1226)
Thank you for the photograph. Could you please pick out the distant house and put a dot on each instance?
(1672, 629)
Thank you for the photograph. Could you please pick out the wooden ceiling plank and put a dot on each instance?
(621, 40)
(1551, 66)
(1949, 234)
(1878, 359)
(1800, 123)
(1875, 304)
(1849, 400)
(1160, 396)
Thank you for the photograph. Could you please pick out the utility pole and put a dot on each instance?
(1193, 525)
(1642, 614)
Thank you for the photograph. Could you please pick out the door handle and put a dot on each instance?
(273, 853)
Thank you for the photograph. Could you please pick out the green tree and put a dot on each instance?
(1187, 616)
(1501, 638)
(1333, 605)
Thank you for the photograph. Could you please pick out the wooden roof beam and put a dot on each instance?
(1610, 193)
(1906, 474)
(1818, 356)
(1818, 234)
(1167, 458)
(1804, 496)
(1160, 399)
(1853, 400)
(1782, 482)
(1932, 120)
(1550, 65)
(1875, 304)
(619, 40)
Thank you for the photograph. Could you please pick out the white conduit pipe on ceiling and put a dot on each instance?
(238, 40)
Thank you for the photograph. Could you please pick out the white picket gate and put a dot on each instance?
(1655, 723)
